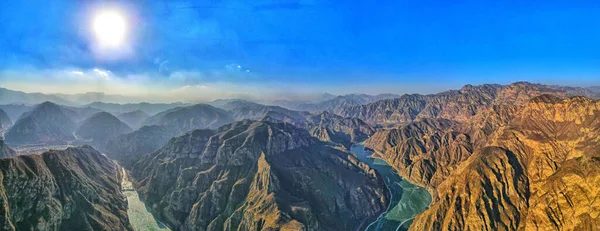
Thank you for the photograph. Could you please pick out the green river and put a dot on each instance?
(139, 214)
(408, 200)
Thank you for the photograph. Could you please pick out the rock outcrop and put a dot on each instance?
(72, 189)
(258, 176)
(6, 151)
(424, 152)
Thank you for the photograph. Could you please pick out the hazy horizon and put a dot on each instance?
(177, 97)
(187, 51)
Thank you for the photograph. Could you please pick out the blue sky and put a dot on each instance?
(249, 47)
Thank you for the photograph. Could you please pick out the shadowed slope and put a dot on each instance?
(72, 189)
(258, 176)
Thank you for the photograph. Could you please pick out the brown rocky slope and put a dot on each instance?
(536, 168)
(457, 105)
(73, 189)
(259, 175)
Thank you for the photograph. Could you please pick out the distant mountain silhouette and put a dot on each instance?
(149, 108)
(14, 111)
(47, 123)
(100, 127)
(5, 120)
(184, 119)
(18, 97)
(134, 119)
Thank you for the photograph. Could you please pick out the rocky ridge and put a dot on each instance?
(509, 167)
(6, 151)
(184, 119)
(73, 189)
(258, 175)
(456, 105)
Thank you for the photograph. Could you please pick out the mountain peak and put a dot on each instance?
(102, 126)
(47, 123)
(47, 104)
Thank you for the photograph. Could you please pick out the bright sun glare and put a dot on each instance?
(110, 28)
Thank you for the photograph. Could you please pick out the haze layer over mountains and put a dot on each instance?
(521, 156)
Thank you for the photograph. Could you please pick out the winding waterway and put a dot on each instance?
(407, 200)
(139, 214)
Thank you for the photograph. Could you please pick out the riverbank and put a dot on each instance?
(407, 200)
(139, 214)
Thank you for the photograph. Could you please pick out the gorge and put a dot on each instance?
(516, 157)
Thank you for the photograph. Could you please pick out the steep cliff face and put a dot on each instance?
(5, 121)
(6, 151)
(567, 200)
(131, 147)
(487, 192)
(508, 167)
(425, 152)
(73, 189)
(537, 172)
(258, 176)
(329, 127)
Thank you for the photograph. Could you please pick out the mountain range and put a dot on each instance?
(455, 105)
(515, 166)
(258, 176)
(521, 156)
(46, 123)
(184, 119)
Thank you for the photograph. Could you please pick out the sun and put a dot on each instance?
(110, 28)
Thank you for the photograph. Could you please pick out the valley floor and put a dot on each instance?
(139, 214)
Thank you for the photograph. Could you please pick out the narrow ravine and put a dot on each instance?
(408, 200)
(139, 214)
